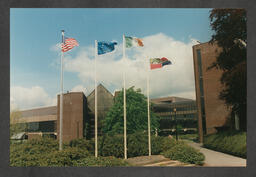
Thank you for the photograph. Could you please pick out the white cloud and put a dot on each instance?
(26, 98)
(172, 80)
(79, 88)
(56, 47)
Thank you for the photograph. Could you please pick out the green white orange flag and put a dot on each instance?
(133, 42)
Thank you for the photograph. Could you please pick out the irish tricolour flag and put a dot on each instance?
(133, 42)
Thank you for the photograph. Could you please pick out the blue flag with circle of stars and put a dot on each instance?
(105, 47)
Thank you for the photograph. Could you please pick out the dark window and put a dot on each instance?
(199, 62)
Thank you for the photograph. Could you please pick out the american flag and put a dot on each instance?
(69, 43)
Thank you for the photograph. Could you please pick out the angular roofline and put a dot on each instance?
(100, 84)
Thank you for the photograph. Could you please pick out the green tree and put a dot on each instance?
(231, 35)
(16, 127)
(137, 115)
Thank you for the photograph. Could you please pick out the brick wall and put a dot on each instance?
(216, 112)
(72, 116)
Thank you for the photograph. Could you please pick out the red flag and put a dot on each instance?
(159, 62)
(69, 43)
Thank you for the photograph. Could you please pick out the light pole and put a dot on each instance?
(176, 130)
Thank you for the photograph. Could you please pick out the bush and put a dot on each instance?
(230, 142)
(111, 146)
(137, 145)
(83, 144)
(184, 153)
(167, 143)
(44, 152)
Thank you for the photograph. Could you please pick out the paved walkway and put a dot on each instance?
(217, 159)
(155, 161)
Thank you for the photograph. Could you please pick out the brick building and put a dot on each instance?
(212, 112)
(78, 116)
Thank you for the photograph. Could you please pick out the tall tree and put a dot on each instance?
(137, 116)
(231, 35)
(16, 127)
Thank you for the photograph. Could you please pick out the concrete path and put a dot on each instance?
(218, 159)
(155, 161)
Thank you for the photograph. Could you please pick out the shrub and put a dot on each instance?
(111, 146)
(83, 144)
(44, 152)
(184, 153)
(230, 142)
(137, 145)
(167, 143)
(66, 157)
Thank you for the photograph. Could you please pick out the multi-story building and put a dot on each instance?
(170, 109)
(79, 119)
(212, 112)
(78, 116)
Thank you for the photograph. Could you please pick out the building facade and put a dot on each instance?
(79, 118)
(212, 112)
(170, 109)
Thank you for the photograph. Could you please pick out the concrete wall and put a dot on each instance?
(216, 111)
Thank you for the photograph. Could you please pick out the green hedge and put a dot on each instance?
(44, 152)
(185, 153)
(80, 152)
(230, 142)
(137, 145)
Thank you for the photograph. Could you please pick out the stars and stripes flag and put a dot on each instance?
(69, 43)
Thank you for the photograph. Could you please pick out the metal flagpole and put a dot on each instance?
(125, 139)
(96, 101)
(61, 94)
(149, 135)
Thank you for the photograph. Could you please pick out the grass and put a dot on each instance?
(191, 137)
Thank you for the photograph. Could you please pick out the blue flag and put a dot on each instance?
(105, 47)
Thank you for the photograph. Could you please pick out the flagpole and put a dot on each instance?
(95, 101)
(149, 135)
(125, 138)
(61, 94)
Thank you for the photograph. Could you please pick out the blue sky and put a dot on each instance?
(34, 34)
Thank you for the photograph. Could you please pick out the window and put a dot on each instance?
(201, 88)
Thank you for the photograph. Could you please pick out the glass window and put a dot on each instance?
(199, 62)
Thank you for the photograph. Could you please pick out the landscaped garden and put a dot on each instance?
(231, 142)
(80, 152)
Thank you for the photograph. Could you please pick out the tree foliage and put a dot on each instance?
(136, 111)
(231, 35)
(16, 127)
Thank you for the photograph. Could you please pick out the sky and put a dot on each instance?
(35, 37)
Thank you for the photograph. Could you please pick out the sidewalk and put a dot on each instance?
(155, 161)
(218, 159)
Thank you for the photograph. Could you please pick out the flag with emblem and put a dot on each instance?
(159, 62)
